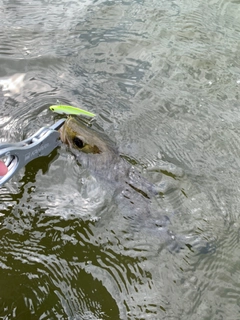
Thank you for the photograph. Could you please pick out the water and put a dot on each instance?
(163, 78)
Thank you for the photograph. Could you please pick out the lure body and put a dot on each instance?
(63, 109)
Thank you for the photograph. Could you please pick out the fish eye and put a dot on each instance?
(78, 142)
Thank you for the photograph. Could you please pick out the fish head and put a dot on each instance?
(78, 136)
(88, 145)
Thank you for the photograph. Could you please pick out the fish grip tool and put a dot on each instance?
(19, 154)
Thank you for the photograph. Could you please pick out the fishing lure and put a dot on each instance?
(62, 109)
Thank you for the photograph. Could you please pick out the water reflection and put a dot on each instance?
(81, 259)
(66, 266)
(13, 84)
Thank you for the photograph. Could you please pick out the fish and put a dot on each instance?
(97, 152)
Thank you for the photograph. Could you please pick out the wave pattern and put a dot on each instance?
(163, 77)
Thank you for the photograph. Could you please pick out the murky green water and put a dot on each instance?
(163, 78)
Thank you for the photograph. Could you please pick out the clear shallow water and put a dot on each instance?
(163, 78)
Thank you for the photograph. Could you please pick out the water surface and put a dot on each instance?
(163, 78)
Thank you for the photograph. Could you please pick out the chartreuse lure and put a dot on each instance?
(62, 109)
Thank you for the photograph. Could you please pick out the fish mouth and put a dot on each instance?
(63, 135)
(66, 133)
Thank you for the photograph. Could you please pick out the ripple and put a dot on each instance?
(225, 284)
(163, 78)
(52, 261)
(44, 277)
